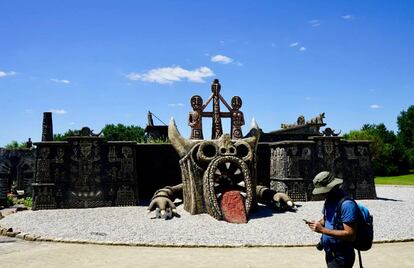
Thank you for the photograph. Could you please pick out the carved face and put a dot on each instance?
(236, 102)
(214, 169)
(44, 152)
(86, 149)
(126, 151)
(196, 102)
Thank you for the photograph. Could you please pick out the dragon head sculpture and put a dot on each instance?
(213, 169)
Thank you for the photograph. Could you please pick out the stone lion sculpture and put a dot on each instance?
(218, 178)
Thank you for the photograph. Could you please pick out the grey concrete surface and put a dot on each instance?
(19, 253)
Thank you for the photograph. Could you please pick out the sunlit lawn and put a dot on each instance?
(396, 180)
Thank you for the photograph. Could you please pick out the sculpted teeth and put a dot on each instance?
(218, 172)
(218, 195)
(227, 165)
(242, 184)
(238, 171)
(243, 194)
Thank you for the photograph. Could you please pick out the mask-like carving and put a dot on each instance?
(210, 169)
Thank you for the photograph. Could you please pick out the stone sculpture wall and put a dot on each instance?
(295, 163)
(16, 169)
(85, 171)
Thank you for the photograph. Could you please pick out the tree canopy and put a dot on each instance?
(405, 123)
(391, 154)
(15, 145)
(121, 132)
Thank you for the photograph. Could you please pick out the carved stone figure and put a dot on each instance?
(85, 174)
(218, 178)
(301, 120)
(317, 120)
(43, 165)
(237, 118)
(126, 161)
(329, 132)
(195, 118)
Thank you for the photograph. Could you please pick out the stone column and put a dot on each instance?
(47, 127)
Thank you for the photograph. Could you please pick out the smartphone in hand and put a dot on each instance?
(306, 221)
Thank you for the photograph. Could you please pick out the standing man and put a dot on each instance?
(338, 233)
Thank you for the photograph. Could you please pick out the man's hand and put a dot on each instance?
(315, 226)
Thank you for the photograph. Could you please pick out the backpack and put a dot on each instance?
(365, 230)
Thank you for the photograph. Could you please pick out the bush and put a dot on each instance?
(15, 145)
(11, 200)
(28, 201)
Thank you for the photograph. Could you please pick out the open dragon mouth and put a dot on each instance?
(228, 189)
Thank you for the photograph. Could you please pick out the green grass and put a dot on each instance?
(396, 180)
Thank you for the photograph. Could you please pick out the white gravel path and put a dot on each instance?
(393, 220)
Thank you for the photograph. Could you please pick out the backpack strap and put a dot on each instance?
(338, 215)
(338, 210)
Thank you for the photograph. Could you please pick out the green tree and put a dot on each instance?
(62, 137)
(405, 123)
(121, 132)
(15, 145)
(388, 154)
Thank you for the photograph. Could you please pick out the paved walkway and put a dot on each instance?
(19, 253)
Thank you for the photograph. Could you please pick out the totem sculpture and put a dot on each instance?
(196, 116)
(218, 178)
(237, 118)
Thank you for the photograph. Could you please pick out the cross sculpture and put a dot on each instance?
(196, 116)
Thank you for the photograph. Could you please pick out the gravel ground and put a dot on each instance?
(393, 221)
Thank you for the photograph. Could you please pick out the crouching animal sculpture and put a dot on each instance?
(218, 178)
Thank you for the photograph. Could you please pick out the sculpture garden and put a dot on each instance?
(189, 133)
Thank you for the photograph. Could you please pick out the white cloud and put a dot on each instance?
(314, 23)
(308, 98)
(169, 75)
(62, 81)
(348, 17)
(221, 59)
(296, 46)
(4, 74)
(375, 106)
(134, 76)
(58, 111)
(175, 104)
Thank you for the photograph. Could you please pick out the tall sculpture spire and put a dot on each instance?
(217, 128)
(47, 127)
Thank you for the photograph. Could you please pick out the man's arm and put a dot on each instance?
(347, 234)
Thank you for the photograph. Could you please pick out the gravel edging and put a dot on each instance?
(130, 226)
(28, 237)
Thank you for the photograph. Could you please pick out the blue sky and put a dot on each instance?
(99, 62)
